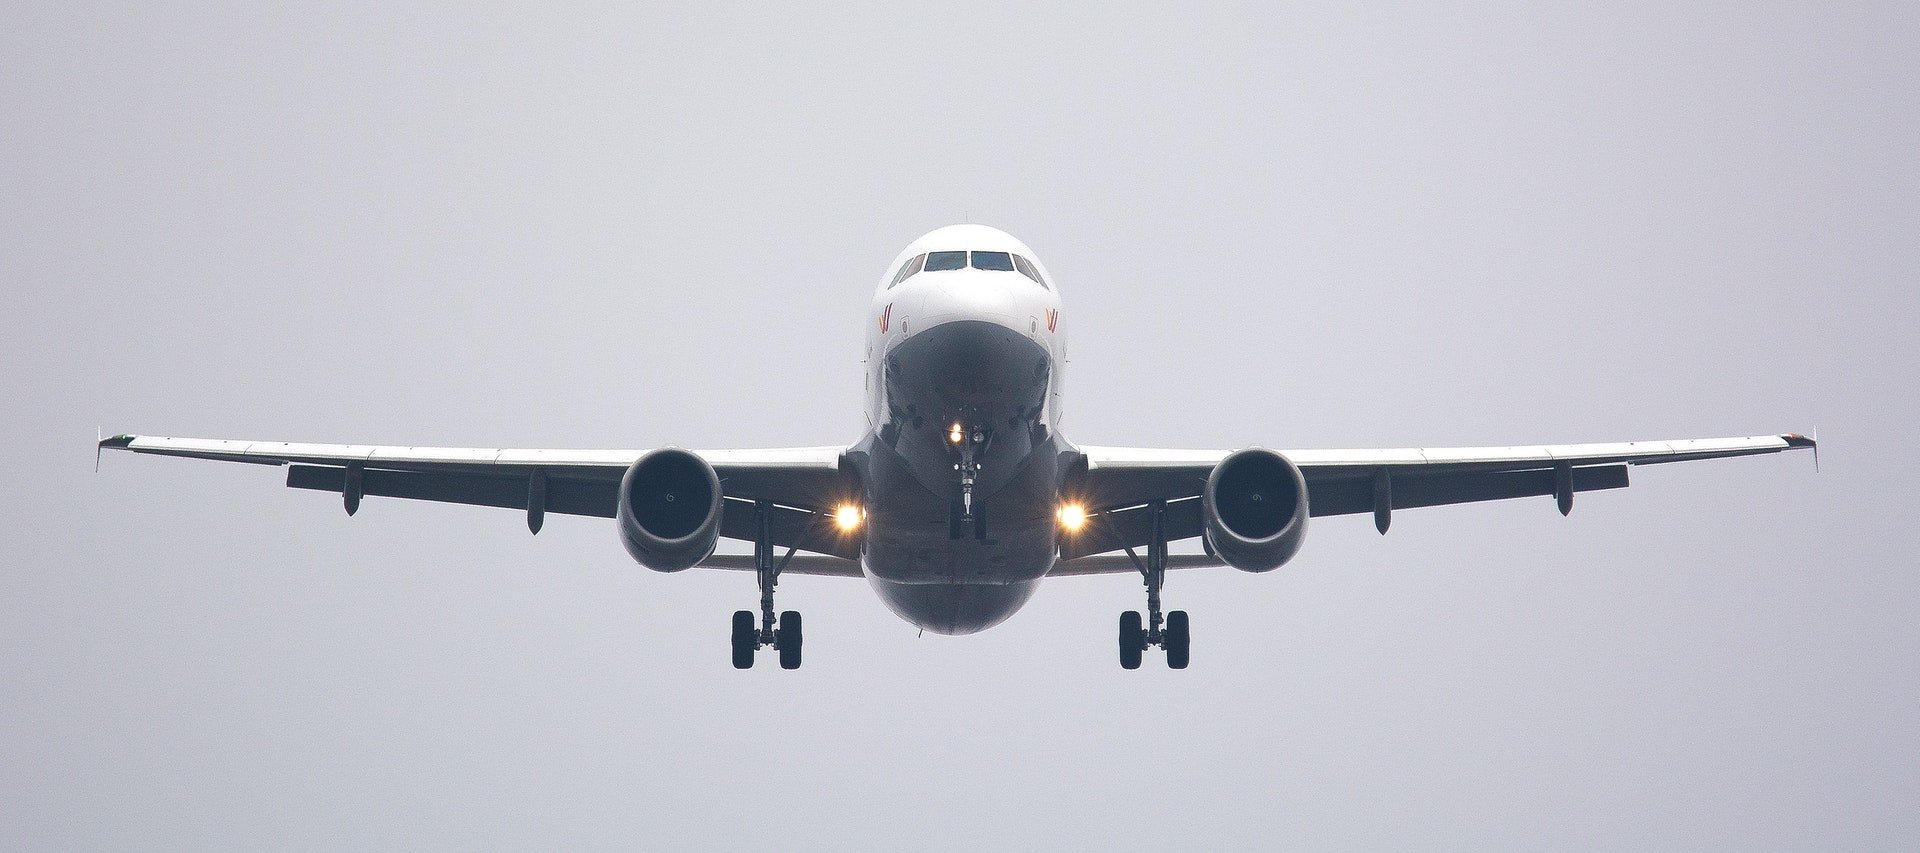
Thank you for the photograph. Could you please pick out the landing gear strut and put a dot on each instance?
(783, 634)
(970, 442)
(1169, 632)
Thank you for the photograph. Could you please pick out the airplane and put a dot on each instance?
(962, 494)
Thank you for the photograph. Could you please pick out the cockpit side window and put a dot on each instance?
(1027, 269)
(908, 269)
(944, 261)
(996, 261)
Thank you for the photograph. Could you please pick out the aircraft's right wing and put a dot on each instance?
(1119, 480)
(802, 482)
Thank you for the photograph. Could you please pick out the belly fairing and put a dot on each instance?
(930, 567)
(910, 528)
(949, 608)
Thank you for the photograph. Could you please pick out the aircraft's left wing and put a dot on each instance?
(1118, 480)
(801, 481)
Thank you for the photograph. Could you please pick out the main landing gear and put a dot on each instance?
(1169, 633)
(783, 635)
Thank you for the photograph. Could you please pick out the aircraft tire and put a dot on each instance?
(1133, 639)
(1179, 640)
(744, 639)
(789, 640)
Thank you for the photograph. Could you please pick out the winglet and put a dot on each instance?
(100, 444)
(1809, 441)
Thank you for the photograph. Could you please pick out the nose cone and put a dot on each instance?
(994, 297)
(969, 364)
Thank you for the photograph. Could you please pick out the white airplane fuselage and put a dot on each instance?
(962, 494)
(963, 460)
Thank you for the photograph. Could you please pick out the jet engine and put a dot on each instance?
(669, 513)
(1255, 510)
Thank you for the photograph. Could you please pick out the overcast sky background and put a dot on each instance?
(625, 227)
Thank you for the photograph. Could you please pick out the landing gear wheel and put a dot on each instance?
(750, 635)
(1169, 633)
(789, 640)
(1177, 641)
(745, 639)
(1133, 639)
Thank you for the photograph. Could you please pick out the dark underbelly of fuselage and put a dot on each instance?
(933, 566)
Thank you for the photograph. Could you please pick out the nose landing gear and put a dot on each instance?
(970, 443)
(1171, 632)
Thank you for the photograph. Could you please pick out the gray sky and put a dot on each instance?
(1296, 227)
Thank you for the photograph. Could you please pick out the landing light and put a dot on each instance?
(956, 435)
(1073, 517)
(848, 517)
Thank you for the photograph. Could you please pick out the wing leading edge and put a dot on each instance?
(801, 481)
(1119, 480)
(804, 482)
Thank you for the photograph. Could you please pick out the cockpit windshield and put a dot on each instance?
(1027, 269)
(997, 261)
(943, 261)
(949, 261)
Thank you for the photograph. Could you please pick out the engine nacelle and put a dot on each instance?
(669, 512)
(1255, 508)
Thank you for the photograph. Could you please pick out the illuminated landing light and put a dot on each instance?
(848, 517)
(955, 434)
(1073, 517)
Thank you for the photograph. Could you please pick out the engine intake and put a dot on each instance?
(670, 505)
(1255, 508)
